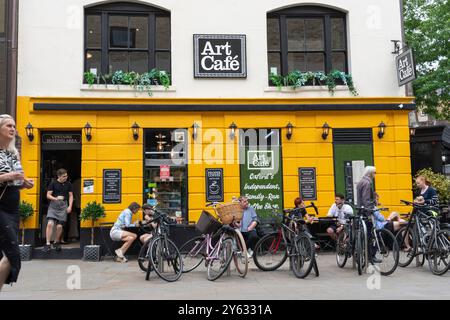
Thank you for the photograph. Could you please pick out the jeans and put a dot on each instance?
(251, 238)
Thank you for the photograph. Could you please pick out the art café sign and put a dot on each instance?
(405, 67)
(220, 56)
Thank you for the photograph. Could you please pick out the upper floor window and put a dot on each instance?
(306, 38)
(128, 37)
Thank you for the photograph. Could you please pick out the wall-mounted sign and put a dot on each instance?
(260, 160)
(406, 70)
(307, 183)
(220, 56)
(57, 138)
(214, 185)
(88, 186)
(164, 172)
(112, 185)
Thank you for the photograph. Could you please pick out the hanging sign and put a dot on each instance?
(220, 56)
(406, 70)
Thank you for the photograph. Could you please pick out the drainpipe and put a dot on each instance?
(12, 7)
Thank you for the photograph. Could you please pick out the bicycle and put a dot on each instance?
(163, 255)
(353, 241)
(423, 237)
(293, 241)
(203, 248)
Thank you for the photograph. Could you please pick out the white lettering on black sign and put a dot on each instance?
(219, 56)
(405, 67)
(112, 186)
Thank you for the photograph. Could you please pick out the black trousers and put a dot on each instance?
(9, 246)
(251, 238)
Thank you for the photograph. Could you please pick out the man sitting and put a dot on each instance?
(338, 210)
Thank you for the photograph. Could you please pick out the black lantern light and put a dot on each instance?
(195, 128)
(29, 129)
(289, 128)
(412, 131)
(381, 129)
(233, 128)
(88, 131)
(135, 129)
(325, 131)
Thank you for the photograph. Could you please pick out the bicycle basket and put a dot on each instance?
(207, 224)
(229, 212)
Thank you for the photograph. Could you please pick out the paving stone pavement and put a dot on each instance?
(47, 279)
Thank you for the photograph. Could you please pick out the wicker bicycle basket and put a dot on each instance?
(230, 212)
(207, 224)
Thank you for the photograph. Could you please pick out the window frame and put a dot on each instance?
(308, 12)
(127, 10)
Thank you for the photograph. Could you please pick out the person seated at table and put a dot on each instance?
(300, 211)
(248, 225)
(118, 234)
(338, 210)
(393, 223)
(148, 218)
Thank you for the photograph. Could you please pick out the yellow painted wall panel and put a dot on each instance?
(404, 181)
(290, 167)
(402, 149)
(402, 133)
(302, 135)
(115, 136)
(402, 165)
(325, 166)
(89, 168)
(326, 183)
(290, 184)
(89, 152)
(196, 184)
(232, 185)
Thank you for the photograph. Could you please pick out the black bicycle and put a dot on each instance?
(162, 254)
(291, 240)
(422, 237)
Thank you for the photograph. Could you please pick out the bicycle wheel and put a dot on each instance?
(359, 251)
(386, 252)
(342, 248)
(439, 257)
(166, 259)
(221, 261)
(407, 246)
(303, 256)
(240, 258)
(193, 253)
(144, 256)
(270, 252)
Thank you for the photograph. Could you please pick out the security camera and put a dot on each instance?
(400, 106)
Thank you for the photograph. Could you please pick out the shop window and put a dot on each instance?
(128, 37)
(306, 38)
(165, 171)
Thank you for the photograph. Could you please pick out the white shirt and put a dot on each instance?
(340, 213)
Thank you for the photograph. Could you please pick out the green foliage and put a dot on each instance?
(427, 32)
(297, 79)
(439, 182)
(25, 211)
(141, 81)
(90, 78)
(93, 211)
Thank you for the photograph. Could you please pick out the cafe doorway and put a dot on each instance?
(61, 150)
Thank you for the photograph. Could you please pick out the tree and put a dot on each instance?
(427, 32)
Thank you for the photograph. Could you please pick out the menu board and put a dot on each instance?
(112, 185)
(214, 185)
(308, 184)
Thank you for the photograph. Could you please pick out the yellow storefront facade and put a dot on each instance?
(113, 146)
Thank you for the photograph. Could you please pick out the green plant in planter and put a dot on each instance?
(25, 211)
(117, 77)
(106, 78)
(93, 211)
(439, 182)
(90, 78)
(277, 80)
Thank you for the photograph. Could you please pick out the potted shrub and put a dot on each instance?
(93, 211)
(25, 211)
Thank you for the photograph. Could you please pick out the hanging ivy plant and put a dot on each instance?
(297, 79)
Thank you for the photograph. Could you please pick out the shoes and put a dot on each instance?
(249, 253)
(47, 248)
(375, 260)
(57, 246)
(119, 253)
(122, 260)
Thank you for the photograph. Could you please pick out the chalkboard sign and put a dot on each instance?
(220, 56)
(308, 185)
(112, 186)
(214, 185)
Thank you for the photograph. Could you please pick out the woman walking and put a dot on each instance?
(12, 179)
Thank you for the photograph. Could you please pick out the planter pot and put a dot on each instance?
(26, 252)
(91, 253)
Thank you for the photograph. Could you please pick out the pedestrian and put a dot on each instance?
(248, 225)
(12, 178)
(60, 194)
(427, 194)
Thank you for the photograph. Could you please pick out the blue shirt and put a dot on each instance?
(380, 221)
(124, 220)
(248, 217)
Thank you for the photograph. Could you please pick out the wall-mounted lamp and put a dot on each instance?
(233, 128)
(325, 131)
(412, 131)
(289, 128)
(135, 129)
(195, 128)
(29, 129)
(88, 131)
(381, 129)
